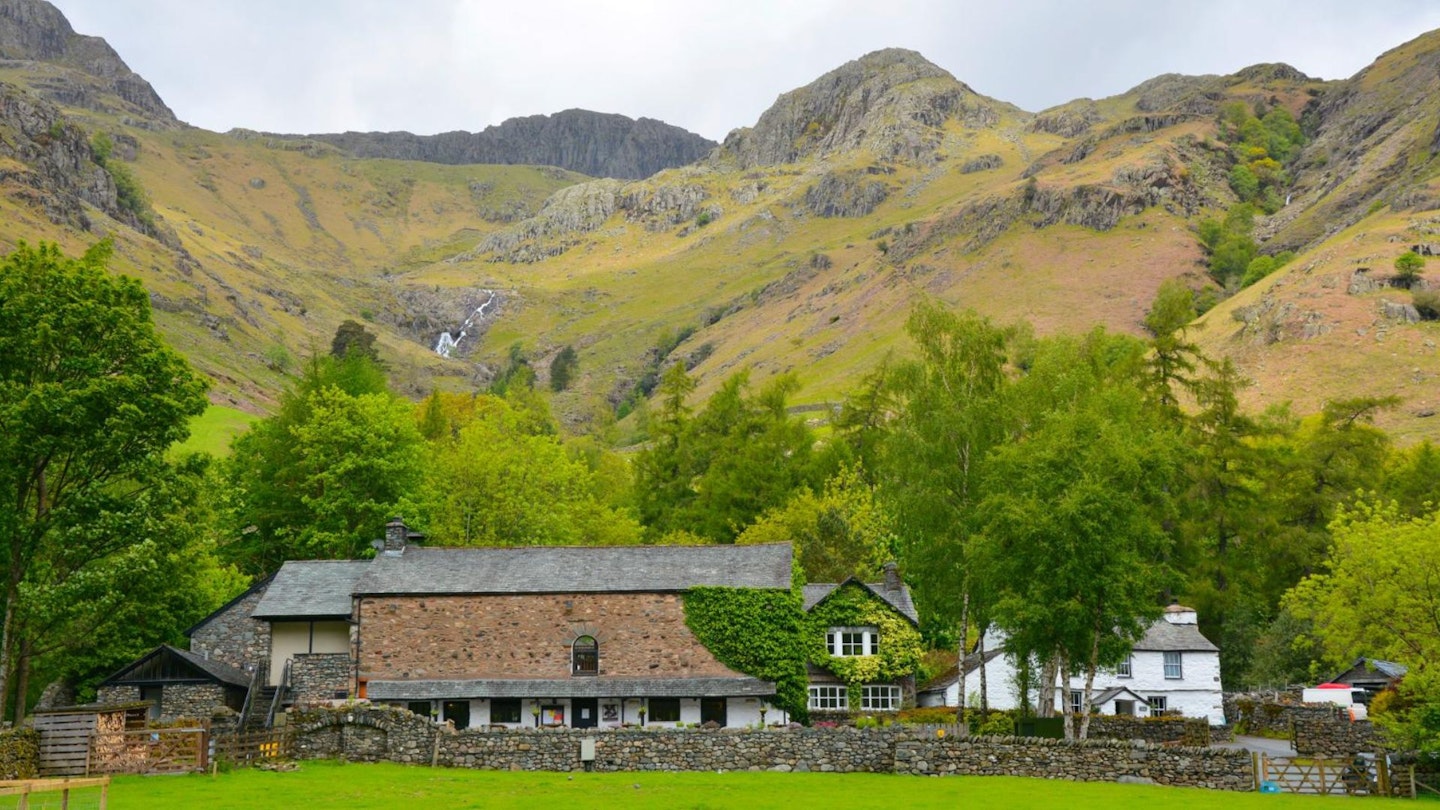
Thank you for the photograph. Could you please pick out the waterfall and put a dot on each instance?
(447, 342)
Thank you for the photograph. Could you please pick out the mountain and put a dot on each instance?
(35, 32)
(597, 144)
(797, 245)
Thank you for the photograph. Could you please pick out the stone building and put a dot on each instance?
(829, 693)
(176, 683)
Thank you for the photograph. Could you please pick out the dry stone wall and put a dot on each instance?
(1326, 731)
(320, 677)
(1193, 731)
(375, 733)
(19, 753)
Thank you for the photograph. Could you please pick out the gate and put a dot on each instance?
(1357, 776)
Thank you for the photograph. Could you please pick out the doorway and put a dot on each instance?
(712, 710)
(586, 712)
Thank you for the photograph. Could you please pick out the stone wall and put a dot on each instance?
(641, 635)
(233, 637)
(114, 695)
(1260, 715)
(1327, 731)
(19, 753)
(321, 677)
(375, 733)
(193, 701)
(1193, 731)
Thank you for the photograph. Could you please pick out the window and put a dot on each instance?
(1172, 665)
(664, 710)
(1123, 669)
(506, 710)
(846, 642)
(829, 698)
(1077, 700)
(880, 698)
(457, 712)
(420, 707)
(585, 656)
(1157, 705)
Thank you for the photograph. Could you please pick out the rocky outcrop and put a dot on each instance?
(890, 103)
(35, 31)
(845, 194)
(597, 144)
(1068, 120)
(53, 161)
(983, 163)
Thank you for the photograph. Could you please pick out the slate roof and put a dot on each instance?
(573, 569)
(207, 669)
(569, 688)
(815, 593)
(311, 589)
(951, 674)
(1162, 636)
(1364, 667)
(1101, 698)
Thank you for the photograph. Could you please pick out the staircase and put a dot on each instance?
(257, 718)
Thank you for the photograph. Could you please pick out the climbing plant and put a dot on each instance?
(853, 605)
(757, 632)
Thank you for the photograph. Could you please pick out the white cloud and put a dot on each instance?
(434, 65)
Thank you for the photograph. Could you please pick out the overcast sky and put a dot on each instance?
(709, 66)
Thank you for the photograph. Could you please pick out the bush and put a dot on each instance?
(998, 724)
(936, 715)
(1427, 303)
(1408, 266)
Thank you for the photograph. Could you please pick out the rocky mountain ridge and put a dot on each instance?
(597, 144)
(36, 31)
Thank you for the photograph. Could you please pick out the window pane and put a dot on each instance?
(880, 698)
(585, 656)
(664, 710)
(829, 698)
(505, 711)
(1123, 670)
(1172, 665)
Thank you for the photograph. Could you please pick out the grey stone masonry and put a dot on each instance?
(380, 733)
(1184, 730)
(233, 637)
(111, 695)
(192, 701)
(320, 677)
(1328, 731)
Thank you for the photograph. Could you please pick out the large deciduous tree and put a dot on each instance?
(90, 401)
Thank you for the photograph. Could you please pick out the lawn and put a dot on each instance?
(212, 431)
(322, 785)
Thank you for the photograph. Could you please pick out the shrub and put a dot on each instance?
(1408, 266)
(1427, 303)
(998, 724)
(935, 715)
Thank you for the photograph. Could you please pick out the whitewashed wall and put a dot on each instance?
(739, 712)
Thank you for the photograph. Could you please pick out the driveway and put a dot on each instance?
(1263, 745)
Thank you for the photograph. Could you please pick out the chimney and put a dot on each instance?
(892, 577)
(395, 536)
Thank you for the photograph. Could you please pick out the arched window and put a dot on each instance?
(585, 656)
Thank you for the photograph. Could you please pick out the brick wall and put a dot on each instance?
(320, 677)
(508, 636)
(375, 733)
(233, 637)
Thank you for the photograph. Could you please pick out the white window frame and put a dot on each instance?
(880, 698)
(1173, 664)
(1159, 704)
(1126, 668)
(1077, 700)
(827, 698)
(852, 642)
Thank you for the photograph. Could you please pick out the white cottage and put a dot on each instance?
(1172, 669)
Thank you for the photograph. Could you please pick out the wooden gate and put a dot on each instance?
(1354, 777)
(252, 748)
(65, 742)
(156, 750)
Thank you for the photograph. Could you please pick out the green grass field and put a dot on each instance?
(212, 431)
(322, 785)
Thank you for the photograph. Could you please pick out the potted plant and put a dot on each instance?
(642, 715)
(764, 707)
(535, 712)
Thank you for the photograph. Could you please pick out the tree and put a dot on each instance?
(497, 482)
(90, 401)
(842, 532)
(321, 476)
(353, 338)
(1173, 358)
(562, 368)
(1380, 596)
(1074, 544)
(1408, 267)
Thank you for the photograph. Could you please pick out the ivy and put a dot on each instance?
(853, 605)
(757, 632)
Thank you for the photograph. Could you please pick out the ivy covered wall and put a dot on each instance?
(757, 632)
(854, 605)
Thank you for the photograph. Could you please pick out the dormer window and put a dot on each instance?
(585, 656)
(849, 642)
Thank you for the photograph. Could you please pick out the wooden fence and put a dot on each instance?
(157, 750)
(65, 743)
(252, 748)
(25, 788)
(1353, 777)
